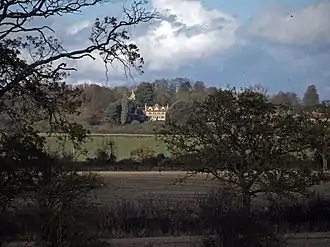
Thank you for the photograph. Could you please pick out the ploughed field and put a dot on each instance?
(154, 185)
(162, 185)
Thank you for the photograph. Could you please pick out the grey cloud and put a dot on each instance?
(278, 56)
(171, 18)
(306, 26)
(101, 76)
(217, 24)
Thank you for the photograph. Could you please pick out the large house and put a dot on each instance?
(156, 112)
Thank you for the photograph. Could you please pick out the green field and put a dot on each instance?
(124, 145)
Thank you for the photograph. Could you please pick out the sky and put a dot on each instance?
(283, 45)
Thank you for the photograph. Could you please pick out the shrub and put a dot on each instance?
(135, 122)
(301, 215)
(227, 224)
(126, 165)
(105, 155)
(148, 217)
(142, 153)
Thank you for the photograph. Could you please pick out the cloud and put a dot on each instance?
(77, 27)
(298, 42)
(304, 27)
(189, 31)
(279, 51)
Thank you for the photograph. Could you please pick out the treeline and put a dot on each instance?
(109, 110)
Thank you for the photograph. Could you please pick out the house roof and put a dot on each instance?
(156, 108)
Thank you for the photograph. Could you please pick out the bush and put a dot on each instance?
(148, 218)
(56, 208)
(105, 155)
(142, 153)
(301, 215)
(126, 165)
(227, 224)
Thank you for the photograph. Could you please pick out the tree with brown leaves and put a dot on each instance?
(244, 140)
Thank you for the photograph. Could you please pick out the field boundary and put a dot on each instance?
(173, 241)
(187, 239)
(100, 134)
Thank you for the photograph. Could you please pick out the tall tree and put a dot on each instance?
(246, 141)
(180, 111)
(184, 84)
(199, 92)
(199, 87)
(165, 91)
(124, 110)
(33, 72)
(94, 104)
(286, 98)
(212, 90)
(145, 93)
(319, 132)
(113, 112)
(184, 88)
(311, 96)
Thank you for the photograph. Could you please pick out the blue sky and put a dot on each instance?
(283, 44)
(244, 10)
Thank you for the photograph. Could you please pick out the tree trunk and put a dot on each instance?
(324, 162)
(245, 189)
(247, 202)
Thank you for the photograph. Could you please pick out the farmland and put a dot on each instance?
(130, 219)
(146, 191)
(162, 185)
(125, 143)
(154, 185)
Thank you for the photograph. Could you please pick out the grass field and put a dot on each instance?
(124, 145)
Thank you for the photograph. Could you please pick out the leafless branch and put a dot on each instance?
(108, 37)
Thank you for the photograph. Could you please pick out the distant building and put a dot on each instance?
(156, 112)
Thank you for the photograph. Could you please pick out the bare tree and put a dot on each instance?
(38, 80)
(33, 89)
